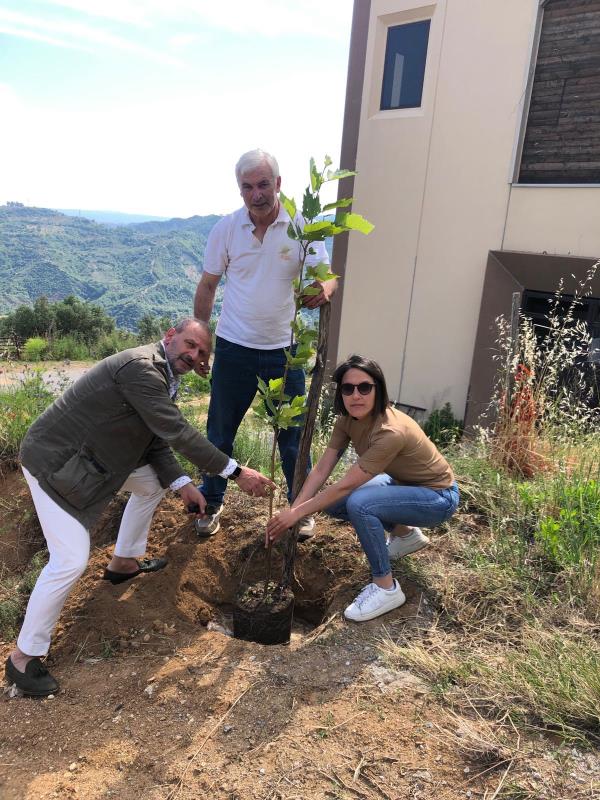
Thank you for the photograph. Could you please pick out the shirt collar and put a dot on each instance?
(173, 380)
(283, 216)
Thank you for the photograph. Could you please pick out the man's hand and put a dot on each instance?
(202, 368)
(191, 495)
(254, 483)
(327, 291)
(280, 523)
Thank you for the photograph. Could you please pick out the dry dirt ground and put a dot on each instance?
(55, 374)
(158, 701)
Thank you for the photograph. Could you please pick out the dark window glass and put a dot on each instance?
(404, 70)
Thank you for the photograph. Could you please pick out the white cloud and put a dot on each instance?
(134, 13)
(272, 18)
(79, 32)
(268, 18)
(23, 33)
(174, 159)
(181, 41)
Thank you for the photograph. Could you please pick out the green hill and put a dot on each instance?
(149, 267)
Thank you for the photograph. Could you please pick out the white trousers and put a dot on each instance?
(69, 547)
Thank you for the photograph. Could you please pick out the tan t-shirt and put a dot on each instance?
(393, 443)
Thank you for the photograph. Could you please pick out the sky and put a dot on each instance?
(144, 106)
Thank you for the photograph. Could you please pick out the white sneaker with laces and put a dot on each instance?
(399, 546)
(374, 601)
(209, 525)
(306, 528)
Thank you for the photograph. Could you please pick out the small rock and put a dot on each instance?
(262, 770)
(214, 626)
(147, 637)
(73, 766)
(466, 770)
(227, 728)
(149, 690)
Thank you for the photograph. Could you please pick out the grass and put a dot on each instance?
(21, 406)
(14, 594)
(515, 588)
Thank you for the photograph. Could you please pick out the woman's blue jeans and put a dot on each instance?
(233, 388)
(380, 504)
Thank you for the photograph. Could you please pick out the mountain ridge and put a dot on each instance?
(129, 270)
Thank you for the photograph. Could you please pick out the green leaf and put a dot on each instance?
(275, 384)
(319, 231)
(338, 174)
(262, 386)
(289, 204)
(311, 205)
(355, 222)
(310, 291)
(343, 203)
(270, 405)
(293, 232)
(316, 180)
(328, 161)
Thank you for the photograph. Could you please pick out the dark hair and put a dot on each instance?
(374, 371)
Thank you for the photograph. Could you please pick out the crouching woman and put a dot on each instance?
(399, 483)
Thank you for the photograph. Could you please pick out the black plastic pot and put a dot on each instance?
(263, 618)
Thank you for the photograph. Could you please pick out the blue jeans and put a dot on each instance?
(381, 503)
(233, 388)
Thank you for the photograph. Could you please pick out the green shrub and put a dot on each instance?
(21, 406)
(111, 343)
(442, 427)
(70, 347)
(569, 518)
(35, 348)
(191, 383)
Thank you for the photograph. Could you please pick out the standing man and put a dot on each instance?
(252, 247)
(112, 429)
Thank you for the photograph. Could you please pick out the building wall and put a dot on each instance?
(555, 220)
(435, 181)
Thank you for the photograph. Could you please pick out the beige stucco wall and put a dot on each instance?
(558, 220)
(435, 181)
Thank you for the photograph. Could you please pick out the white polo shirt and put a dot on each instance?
(258, 302)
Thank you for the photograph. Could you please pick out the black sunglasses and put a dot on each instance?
(364, 388)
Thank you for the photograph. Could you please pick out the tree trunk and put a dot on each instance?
(318, 375)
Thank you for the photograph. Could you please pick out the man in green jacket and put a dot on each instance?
(112, 429)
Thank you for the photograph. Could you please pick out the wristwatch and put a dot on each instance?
(235, 474)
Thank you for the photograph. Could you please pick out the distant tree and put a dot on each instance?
(85, 320)
(44, 317)
(23, 322)
(151, 328)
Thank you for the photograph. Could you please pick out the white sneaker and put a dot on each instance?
(399, 546)
(306, 528)
(209, 525)
(373, 601)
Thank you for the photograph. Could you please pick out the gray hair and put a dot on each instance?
(182, 324)
(254, 159)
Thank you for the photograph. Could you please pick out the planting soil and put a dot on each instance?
(159, 701)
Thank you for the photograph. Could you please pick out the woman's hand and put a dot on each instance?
(280, 523)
